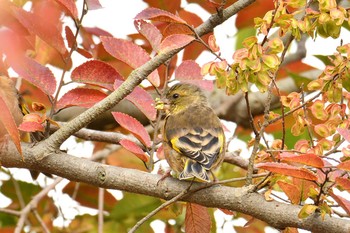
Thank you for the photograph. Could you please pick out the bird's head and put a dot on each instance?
(182, 96)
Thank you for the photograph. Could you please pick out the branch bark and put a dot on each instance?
(276, 214)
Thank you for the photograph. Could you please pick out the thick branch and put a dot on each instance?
(278, 215)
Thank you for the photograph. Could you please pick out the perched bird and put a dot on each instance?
(193, 138)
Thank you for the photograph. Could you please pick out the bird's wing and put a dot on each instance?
(200, 144)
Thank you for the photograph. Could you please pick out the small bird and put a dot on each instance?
(193, 138)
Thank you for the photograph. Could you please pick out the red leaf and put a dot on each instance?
(345, 133)
(343, 182)
(97, 31)
(130, 53)
(175, 42)
(35, 73)
(71, 7)
(159, 15)
(96, 73)
(43, 28)
(7, 121)
(189, 71)
(69, 36)
(134, 148)
(83, 97)
(291, 190)
(84, 53)
(87, 195)
(30, 126)
(134, 126)
(93, 4)
(197, 219)
(344, 165)
(149, 31)
(288, 170)
(142, 100)
(345, 204)
(160, 153)
(307, 159)
(228, 212)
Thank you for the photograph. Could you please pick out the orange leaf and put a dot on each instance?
(134, 148)
(307, 159)
(212, 44)
(344, 165)
(343, 182)
(45, 29)
(134, 126)
(83, 97)
(245, 17)
(7, 121)
(197, 219)
(70, 6)
(130, 53)
(96, 73)
(344, 203)
(159, 15)
(288, 170)
(175, 42)
(69, 36)
(291, 190)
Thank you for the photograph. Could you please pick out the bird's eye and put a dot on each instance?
(175, 96)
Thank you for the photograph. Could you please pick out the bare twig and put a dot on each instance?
(66, 59)
(33, 203)
(162, 206)
(101, 192)
(43, 225)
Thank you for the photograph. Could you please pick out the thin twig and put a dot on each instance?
(40, 220)
(33, 203)
(306, 115)
(9, 211)
(66, 59)
(162, 206)
(283, 114)
(240, 178)
(159, 117)
(251, 118)
(101, 192)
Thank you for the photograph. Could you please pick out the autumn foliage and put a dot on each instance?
(296, 137)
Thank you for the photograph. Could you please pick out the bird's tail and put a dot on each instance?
(194, 169)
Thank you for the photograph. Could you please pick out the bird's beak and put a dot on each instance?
(162, 104)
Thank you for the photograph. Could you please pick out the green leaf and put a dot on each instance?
(324, 59)
(299, 80)
(28, 190)
(242, 34)
(7, 220)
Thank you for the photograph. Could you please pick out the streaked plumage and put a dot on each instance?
(194, 141)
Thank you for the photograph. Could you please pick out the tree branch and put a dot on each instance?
(134, 79)
(276, 214)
